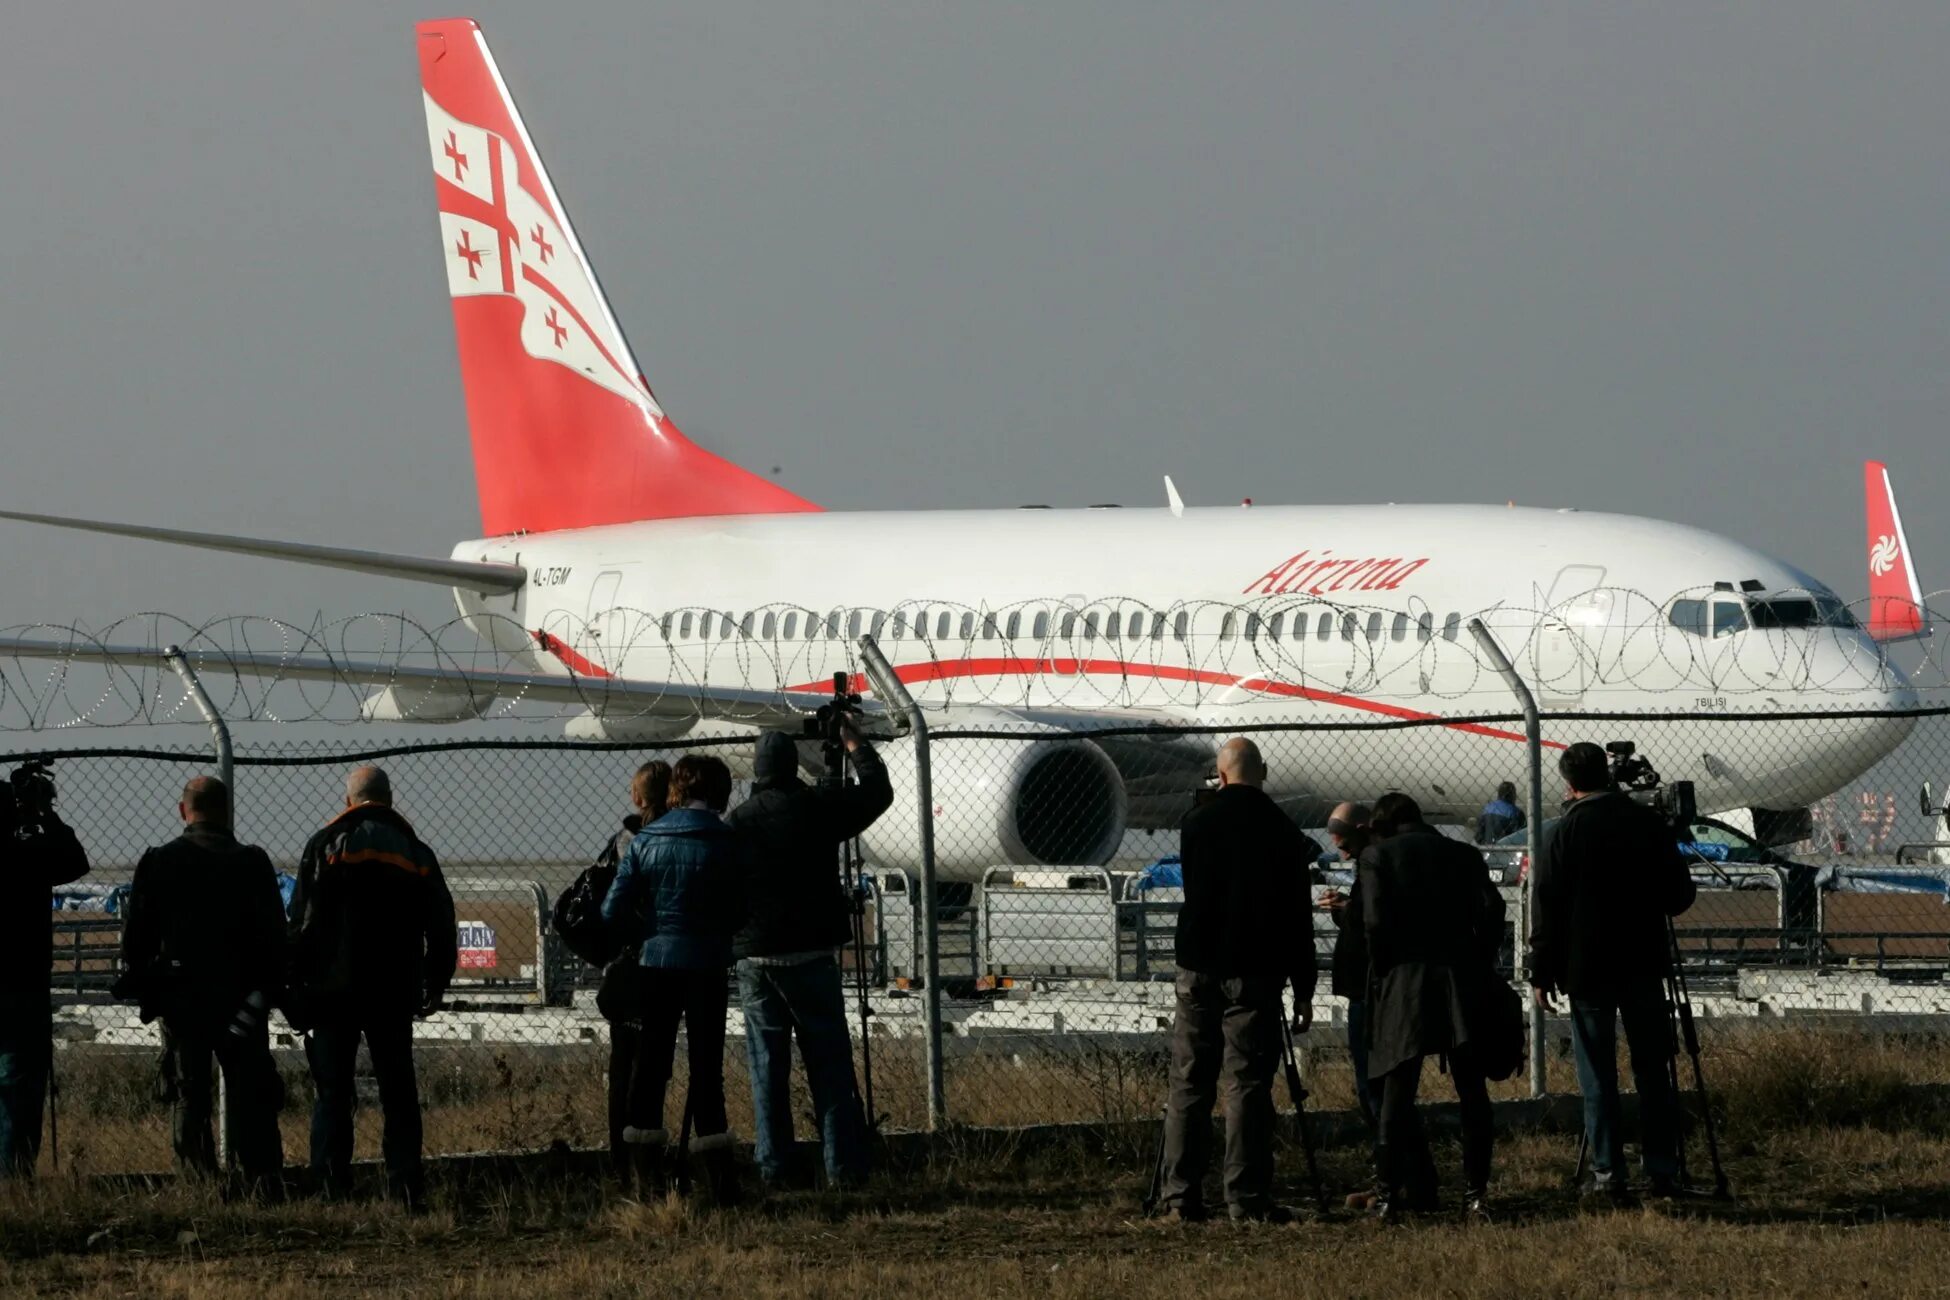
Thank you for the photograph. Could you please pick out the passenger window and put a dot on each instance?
(900, 624)
(1349, 626)
(812, 625)
(769, 626)
(1425, 628)
(1252, 627)
(1228, 626)
(1112, 622)
(1158, 627)
(1398, 631)
(663, 626)
(1014, 627)
(833, 625)
(853, 626)
(879, 622)
(1451, 626)
(684, 626)
(1274, 625)
(988, 627)
(942, 623)
(745, 626)
(1040, 629)
(968, 627)
(790, 628)
(1326, 626)
(1181, 626)
(1090, 626)
(1374, 626)
(1728, 618)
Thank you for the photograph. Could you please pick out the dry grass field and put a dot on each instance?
(1841, 1169)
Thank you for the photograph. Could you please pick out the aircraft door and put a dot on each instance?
(605, 623)
(1564, 649)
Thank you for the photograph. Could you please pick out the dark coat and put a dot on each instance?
(677, 892)
(372, 922)
(29, 869)
(1500, 817)
(1248, 906)
(1608, 876)
(203, 926)
(788, 835)
(1351, 948)
(616, 996)
(1434, 923)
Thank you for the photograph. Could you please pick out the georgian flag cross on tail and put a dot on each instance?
(1896, 611)
(565, 430)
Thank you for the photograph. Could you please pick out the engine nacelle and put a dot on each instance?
(1003, 803)
(439, 703)
(589, 725)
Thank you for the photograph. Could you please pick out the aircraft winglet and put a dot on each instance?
(1172, 499)
(1896, 611)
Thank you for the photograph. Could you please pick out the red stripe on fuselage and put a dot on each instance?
(950, 669)
(576, 664)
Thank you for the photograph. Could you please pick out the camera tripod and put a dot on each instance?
(829, 724)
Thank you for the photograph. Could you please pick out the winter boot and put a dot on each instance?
(648, 1148)
(717, 1158)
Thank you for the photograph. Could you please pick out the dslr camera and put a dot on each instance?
(30, 790)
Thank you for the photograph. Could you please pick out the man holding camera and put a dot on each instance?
(797, 917)
(1244, 933)
(373, 945)
(203, 948)
(37, 852)
(1609, 875)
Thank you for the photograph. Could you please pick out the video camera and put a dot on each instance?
(831, 717)
(30, 788)
(1635, 775)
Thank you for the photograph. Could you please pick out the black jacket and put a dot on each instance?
(204, 926)
(1248, 901)
(1608, 876)
(29, 869)
(1434, 923)
(1351, 948)
(788, 832)
(372, 923)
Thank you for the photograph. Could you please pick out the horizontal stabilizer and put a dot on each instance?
(449, 690)
(468, 574)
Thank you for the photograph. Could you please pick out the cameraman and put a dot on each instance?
(37, 852)
(1609, 874)
(203, 948)
(797, 917)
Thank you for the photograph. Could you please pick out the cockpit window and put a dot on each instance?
(1785, 612)
(1689, 616)
(1729, 616)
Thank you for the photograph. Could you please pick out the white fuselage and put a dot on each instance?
(1034, 611)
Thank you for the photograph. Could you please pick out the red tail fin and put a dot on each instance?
(566, 431)
(1896, 610)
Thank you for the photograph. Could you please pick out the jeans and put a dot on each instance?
(333, 1050)
(803, 1000)
(1228, 1027)
(253, 1096)
(696, 999)
(1648, 1037)
(1407, 1169)
(26, 1056)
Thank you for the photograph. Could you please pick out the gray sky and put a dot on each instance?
(1679, 260)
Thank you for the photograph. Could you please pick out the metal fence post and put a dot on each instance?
(226, 772)
(1533, 736)
(888, 685)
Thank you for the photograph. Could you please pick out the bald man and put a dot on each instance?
(203, 947)
(1244, 932)
(373, 945)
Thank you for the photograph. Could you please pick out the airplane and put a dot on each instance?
(628, 573)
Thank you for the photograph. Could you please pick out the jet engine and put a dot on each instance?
(1051, 802)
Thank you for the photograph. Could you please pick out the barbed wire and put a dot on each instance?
(1605, 648)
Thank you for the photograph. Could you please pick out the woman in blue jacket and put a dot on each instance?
(676, 894)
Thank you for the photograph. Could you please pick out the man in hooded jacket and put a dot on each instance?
(797, 917)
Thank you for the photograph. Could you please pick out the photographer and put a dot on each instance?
(797, 917)
(1245, 933)
(37, 852)
(203, 948)
(1608, 876)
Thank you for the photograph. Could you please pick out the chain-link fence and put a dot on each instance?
(1049, 837)
(1054, 979)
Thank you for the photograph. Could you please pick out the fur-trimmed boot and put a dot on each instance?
(649, 1149)
(717, 1158)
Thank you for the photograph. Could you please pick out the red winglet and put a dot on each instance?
(1896, 611)
(566, 432)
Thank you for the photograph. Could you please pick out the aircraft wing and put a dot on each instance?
(449, 683)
